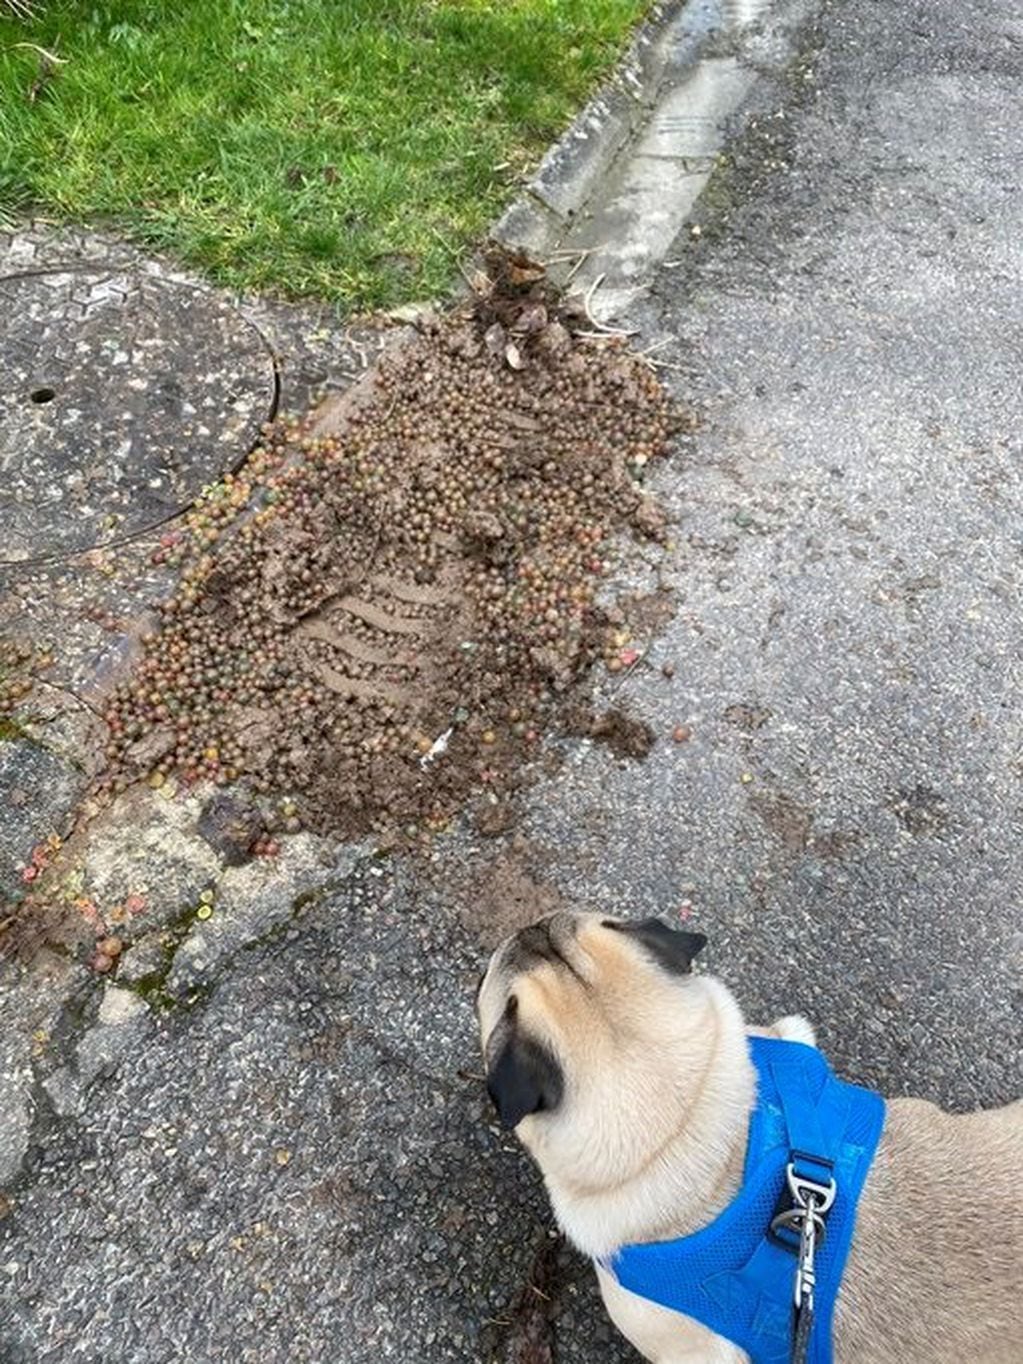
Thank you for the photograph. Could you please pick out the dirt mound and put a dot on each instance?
(379, 616)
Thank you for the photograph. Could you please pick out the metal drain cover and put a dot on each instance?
(122, 393)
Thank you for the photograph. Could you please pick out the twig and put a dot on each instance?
(579, 257)
(22, 9)
(628, 673)
(473, 284)
(455, 255)
(663, 364)
(46, 55)
(657, 345)
(49, 63)
(577, 266)
(603, 336)
(600, 326)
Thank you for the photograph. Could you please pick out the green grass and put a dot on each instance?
(350, 149)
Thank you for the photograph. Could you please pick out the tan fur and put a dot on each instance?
(649, 1138)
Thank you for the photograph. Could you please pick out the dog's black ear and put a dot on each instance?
(524, 1078)
(672, 948)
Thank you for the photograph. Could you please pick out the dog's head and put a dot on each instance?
(581, 1016)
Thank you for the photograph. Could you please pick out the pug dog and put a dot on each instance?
(628, 1079)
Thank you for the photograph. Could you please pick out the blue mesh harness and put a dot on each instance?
(736, 1275)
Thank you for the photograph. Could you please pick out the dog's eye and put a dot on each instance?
(512, 1007)
(610, 923)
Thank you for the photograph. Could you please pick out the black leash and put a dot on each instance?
(801, 1337)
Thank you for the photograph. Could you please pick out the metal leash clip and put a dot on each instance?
(812, 1200)
(805, 1279)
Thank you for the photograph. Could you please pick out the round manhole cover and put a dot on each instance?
(121, 395)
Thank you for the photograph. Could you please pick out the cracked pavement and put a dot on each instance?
(301, 1166)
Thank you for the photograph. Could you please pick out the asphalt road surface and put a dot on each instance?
(302, 1167)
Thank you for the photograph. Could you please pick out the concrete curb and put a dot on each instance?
(576, 164)
(610, 197)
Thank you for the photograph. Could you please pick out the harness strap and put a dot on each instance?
(814, 1130)
(751, 1273)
